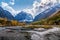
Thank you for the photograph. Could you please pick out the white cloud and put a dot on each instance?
(4, 4)
(9, 8)
(12, 2)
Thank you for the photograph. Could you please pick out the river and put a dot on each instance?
(49, 34)
(35, 34)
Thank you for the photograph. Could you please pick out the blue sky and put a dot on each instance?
(19, 4)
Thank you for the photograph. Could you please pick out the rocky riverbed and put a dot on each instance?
(31, 34)
(47, 34)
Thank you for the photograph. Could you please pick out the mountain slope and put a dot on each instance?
(47, 13)
(5, 14)
(53, 20)
(8, 15)
(2, 12)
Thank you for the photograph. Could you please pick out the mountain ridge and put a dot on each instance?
(21, 17)
(26, 17)
(6, 14)
(53, 20)
(47, 13)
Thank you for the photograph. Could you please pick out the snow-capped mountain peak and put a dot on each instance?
(39, 7)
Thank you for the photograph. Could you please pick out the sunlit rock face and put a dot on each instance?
(50, 34)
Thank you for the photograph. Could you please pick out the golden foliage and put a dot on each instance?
(5, 22)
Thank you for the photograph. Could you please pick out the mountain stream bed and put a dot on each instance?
(35, 34)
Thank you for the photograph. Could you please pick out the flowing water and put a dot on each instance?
(35, 34)
(50, 34)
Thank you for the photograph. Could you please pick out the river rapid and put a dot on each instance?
(46, 34)
(17, 33)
